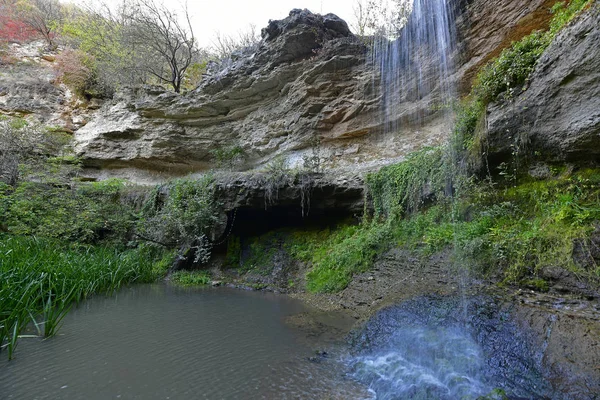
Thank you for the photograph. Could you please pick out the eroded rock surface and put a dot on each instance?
(29, 89)
(558, 115)
(307, 88)
(307, 83)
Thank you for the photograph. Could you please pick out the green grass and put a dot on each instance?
(191, 278)
(508, 234)
(41, 279)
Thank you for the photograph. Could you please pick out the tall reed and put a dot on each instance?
(41, 279)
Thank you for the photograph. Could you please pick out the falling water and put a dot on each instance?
(414, 68)
(414, 64)
(423, 349)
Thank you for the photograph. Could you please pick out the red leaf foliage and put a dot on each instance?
(14, 30)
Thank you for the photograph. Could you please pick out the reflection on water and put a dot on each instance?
(161, 342)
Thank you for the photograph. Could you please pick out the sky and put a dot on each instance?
(231, 16)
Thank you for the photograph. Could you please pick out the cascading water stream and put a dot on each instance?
(414, 65)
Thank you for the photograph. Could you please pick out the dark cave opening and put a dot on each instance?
(249, 222)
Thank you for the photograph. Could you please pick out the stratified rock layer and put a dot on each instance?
(558, 115)
(307, 90)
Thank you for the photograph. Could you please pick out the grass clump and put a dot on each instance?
(41, 279)
(191, 278)
(259, 254)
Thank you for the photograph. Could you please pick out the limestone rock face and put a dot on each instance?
(558, 115)
(309, 91)
(306, 84)
(28, 89)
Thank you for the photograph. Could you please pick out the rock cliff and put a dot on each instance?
(29, 89)
(557, 116)
(308, 89)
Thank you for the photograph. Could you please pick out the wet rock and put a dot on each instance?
(541, 347)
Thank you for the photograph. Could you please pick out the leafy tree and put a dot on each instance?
(137, 43)
(101, 33)
(42, 16)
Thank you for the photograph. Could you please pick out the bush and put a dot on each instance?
(86, 212)
(182, 212)
(76, 69)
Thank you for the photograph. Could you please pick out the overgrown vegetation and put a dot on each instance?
(64, 239)
(508, 233)
(191, 278)
(227, 157)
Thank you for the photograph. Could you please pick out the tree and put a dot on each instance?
(224, 45)
(380, 17)
(360, 23)
(169, 42)
(102, 33)
(135, 43)
(42, 16)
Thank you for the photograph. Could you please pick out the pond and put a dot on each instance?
(165, 342)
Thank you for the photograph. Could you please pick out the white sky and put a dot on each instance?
(231, 16)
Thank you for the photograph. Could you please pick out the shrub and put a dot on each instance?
(87, 212)
(190, 278)
(14, 30)
(75, 69)
(180, 213)
(512, 68)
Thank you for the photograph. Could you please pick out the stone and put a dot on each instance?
(558, 115)
(309, 80)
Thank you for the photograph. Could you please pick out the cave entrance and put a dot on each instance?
(248, 222)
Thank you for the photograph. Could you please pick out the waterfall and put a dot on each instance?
(413, 64)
